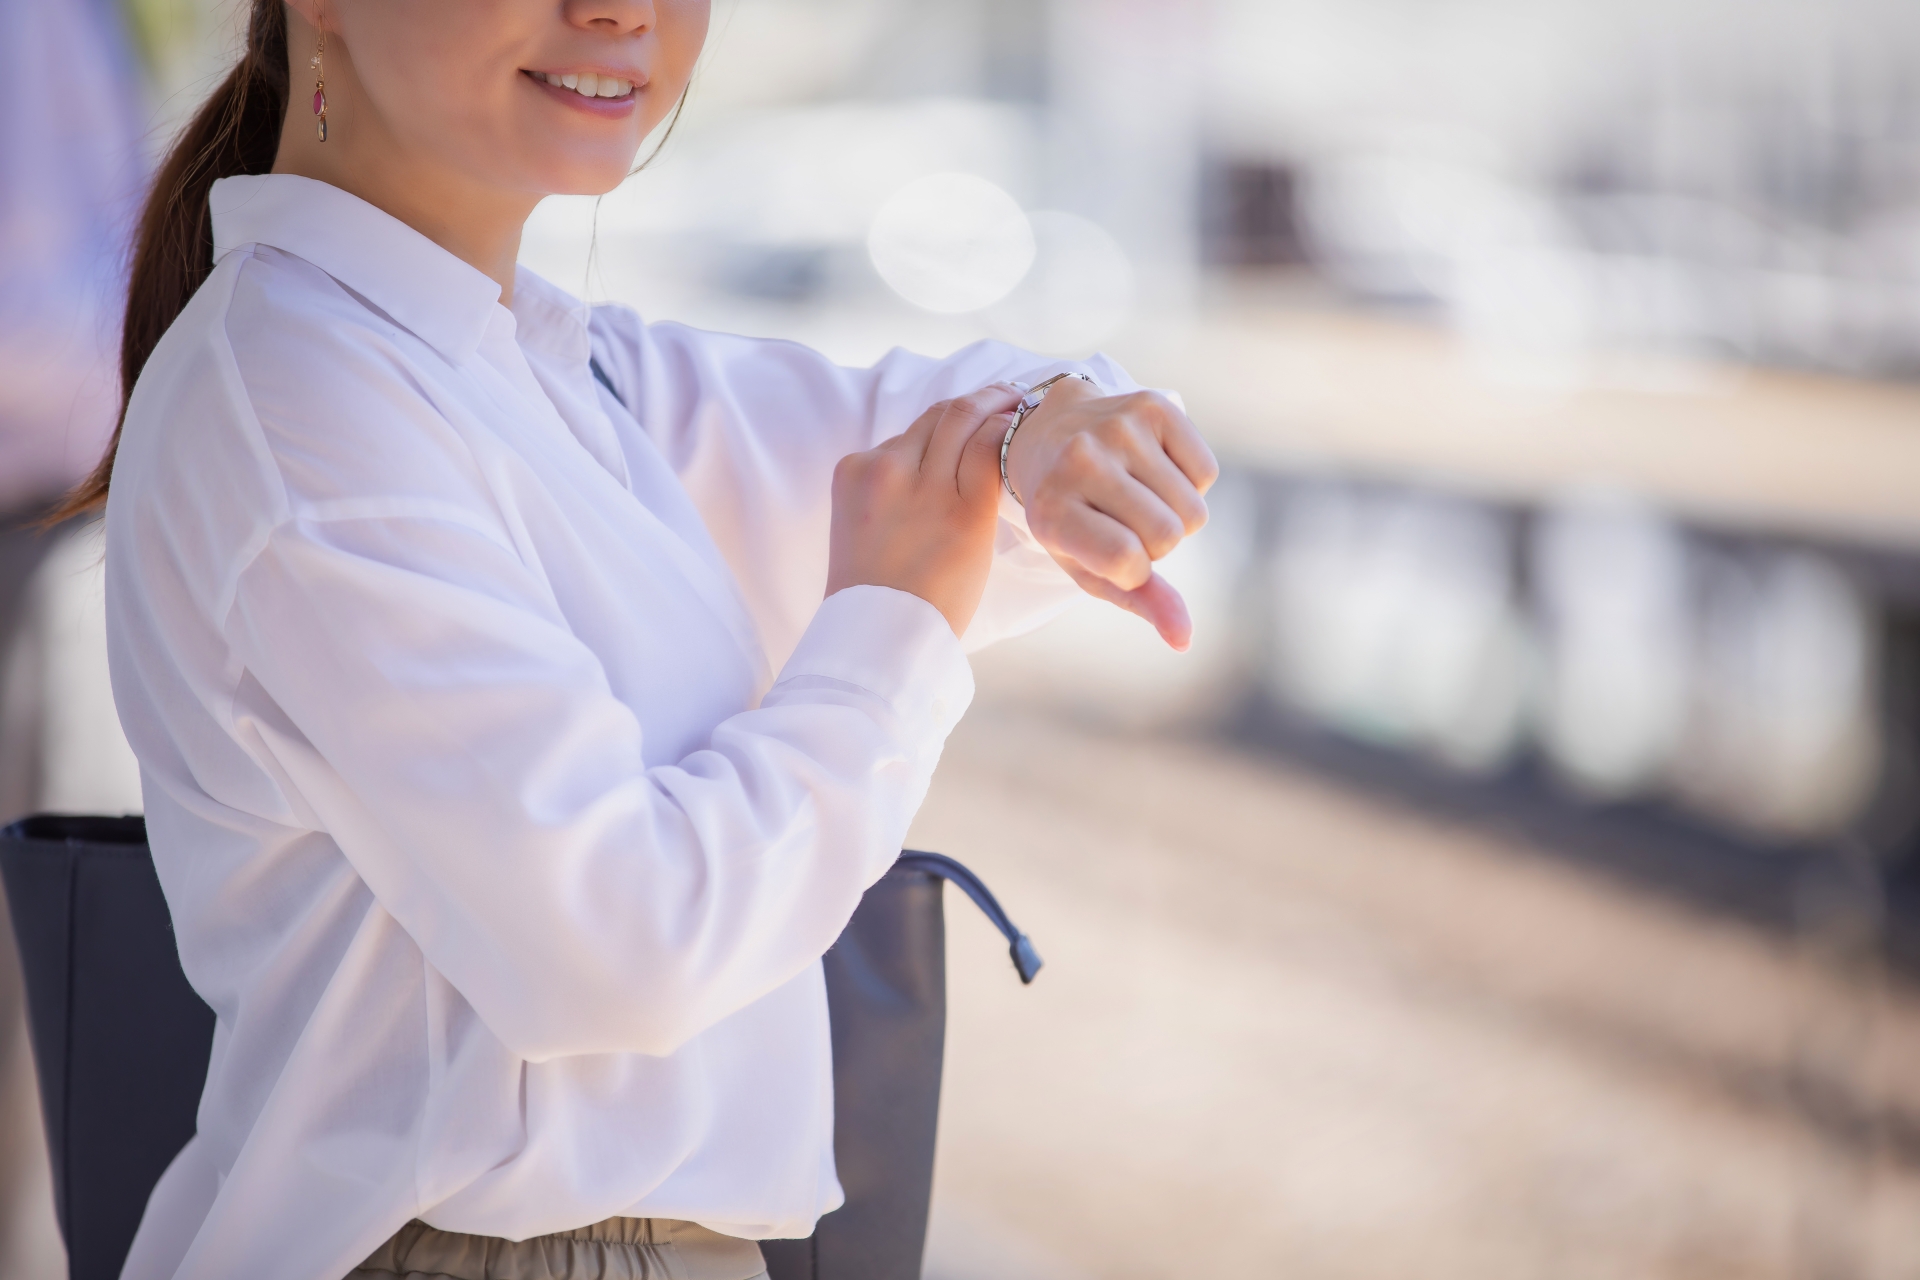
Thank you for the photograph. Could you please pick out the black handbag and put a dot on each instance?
(120, 1044)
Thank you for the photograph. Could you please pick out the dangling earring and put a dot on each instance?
(320, 85)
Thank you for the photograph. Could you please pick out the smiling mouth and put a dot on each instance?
(587, 84)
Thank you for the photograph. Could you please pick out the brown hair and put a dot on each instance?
(236, 131)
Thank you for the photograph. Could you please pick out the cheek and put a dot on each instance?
(430, 79)
(682, 33)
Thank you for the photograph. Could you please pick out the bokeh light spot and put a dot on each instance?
(1079, 291)
(951, 242)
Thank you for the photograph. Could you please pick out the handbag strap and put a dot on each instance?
(1026, 961)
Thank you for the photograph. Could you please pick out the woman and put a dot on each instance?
(513, 744)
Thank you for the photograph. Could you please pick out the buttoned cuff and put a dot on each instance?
(895, 646)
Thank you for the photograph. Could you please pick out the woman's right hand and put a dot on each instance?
(917, 512)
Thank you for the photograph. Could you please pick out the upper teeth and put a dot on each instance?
(590, 85)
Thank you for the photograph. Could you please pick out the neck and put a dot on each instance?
(478, 224)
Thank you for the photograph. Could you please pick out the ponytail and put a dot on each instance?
(237, 131)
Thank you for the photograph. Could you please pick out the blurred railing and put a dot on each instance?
(1673, 628)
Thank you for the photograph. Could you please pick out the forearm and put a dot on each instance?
(469, 759)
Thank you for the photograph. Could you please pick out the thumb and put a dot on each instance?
(1155, 600)
(980, 459)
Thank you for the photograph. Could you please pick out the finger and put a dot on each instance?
(957, 426)
(1156, 601)
(913, 441)
(1098, 543)
(1184, 445)
(980, 460)
(1115, 492)
(1154, 469)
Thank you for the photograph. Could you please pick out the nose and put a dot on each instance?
(611, 17)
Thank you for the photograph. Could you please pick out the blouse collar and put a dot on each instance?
(445, 302)
(548, 317)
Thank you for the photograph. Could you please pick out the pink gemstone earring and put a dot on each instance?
(320, 85)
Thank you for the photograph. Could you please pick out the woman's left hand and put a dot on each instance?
(1110, 485)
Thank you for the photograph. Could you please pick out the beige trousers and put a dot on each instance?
(617, 1249)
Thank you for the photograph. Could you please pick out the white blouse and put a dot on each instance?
(505, 772)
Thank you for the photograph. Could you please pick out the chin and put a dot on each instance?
(585, 175)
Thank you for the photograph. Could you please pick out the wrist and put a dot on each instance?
(1025, 449)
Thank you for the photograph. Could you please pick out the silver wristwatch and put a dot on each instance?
(1028, 403)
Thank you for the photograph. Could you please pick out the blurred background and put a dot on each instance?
(1521, 875)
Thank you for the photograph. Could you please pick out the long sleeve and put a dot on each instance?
(418, 690)
(753, 427)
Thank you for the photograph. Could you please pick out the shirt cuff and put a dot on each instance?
(895, 646)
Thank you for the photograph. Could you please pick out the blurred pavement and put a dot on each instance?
(1289, 1030)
